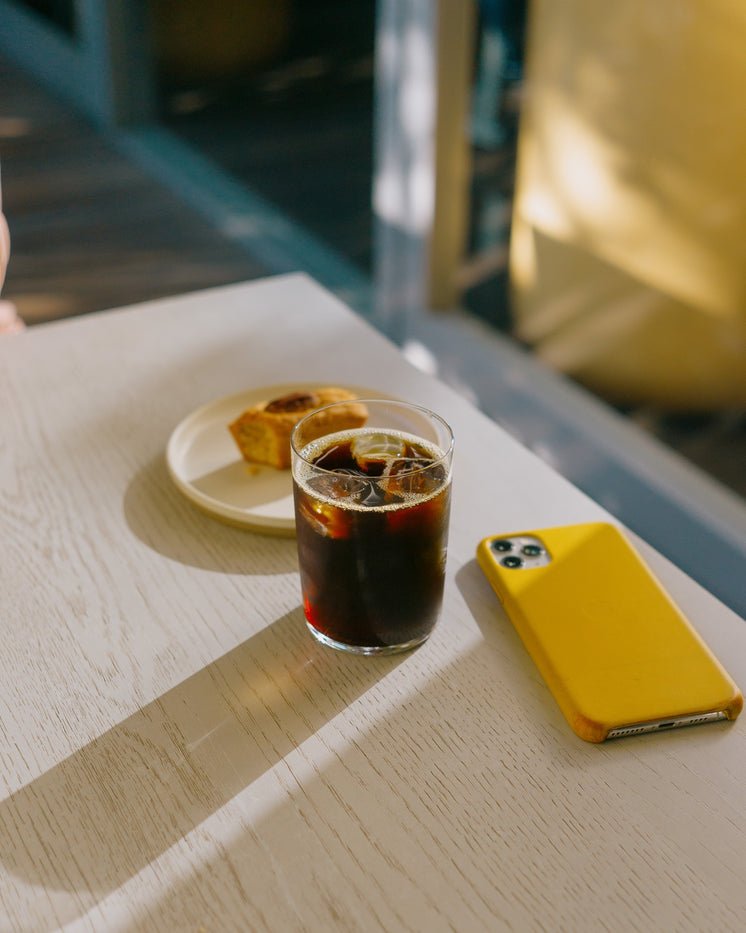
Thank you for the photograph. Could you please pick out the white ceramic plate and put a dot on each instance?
(206, 465)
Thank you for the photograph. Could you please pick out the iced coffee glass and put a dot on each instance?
(371, 514)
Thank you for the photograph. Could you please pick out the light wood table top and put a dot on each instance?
(178, 753)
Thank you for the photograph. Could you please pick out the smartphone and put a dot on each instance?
(618, 655)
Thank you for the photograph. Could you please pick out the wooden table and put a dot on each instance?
(178, 753)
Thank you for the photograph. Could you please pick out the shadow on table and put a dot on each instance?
(162, 519)
(447, 812)
(493, 622)
(425, 817)
(93, 821)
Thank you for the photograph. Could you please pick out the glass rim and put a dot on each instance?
(374, 401)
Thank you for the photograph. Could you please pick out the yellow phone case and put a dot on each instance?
(616, 652)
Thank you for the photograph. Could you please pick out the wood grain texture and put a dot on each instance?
(177, 752)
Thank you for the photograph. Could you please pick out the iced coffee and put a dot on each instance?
(372, 509)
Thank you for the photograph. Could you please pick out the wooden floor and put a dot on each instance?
(91, 230)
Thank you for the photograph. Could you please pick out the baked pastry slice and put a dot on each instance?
(263, 431)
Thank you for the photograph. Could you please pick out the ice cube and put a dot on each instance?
(337, 485)
(324, 518)
(373, 451)
(413, 475)
(374, 496)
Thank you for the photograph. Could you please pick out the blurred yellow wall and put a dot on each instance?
(628, 253)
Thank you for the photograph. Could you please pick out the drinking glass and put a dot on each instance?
(372, 507)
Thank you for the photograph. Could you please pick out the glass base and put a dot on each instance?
(364, 649)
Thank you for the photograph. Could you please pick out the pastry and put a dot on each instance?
(263, 431)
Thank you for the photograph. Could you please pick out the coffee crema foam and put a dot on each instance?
(303, 470)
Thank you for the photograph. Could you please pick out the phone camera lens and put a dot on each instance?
(502, 545)
(531, 550)
(512, 562)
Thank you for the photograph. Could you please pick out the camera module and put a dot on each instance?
(502, 545)
(532, 550)
(512, 562)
